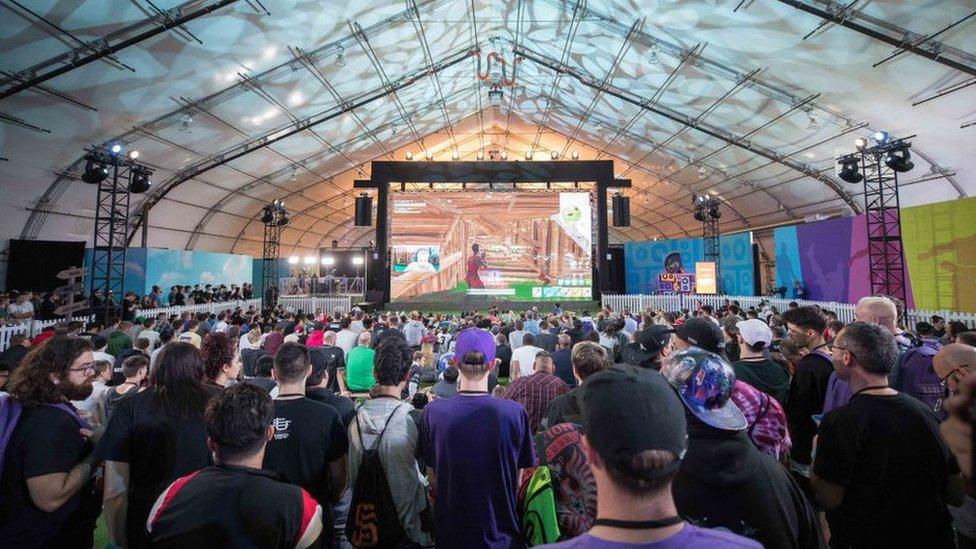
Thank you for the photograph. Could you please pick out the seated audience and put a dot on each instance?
(447, 386)
(357, 376)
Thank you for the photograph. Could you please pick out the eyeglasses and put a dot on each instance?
(838, 347)
(89, 367)
(944, 385)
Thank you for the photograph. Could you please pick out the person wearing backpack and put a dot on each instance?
(47, 493)
(382, 470)
(916, 374)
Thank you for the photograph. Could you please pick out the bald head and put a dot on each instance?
(329, 337)
(365, 339)
(877, 310)
(953, 362)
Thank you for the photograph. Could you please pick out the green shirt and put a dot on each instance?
(765, 375)
(359, 369)
(118, 342)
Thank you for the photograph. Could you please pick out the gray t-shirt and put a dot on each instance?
(397, 449)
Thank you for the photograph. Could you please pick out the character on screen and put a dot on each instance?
(475, 263)
(421, 263)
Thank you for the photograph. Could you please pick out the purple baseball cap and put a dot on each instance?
(475, 339)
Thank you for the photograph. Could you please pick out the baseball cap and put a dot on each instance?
(628, 410)
(754, 330)
(475, 339)
(649, 343)
(704, 383)
(702, 332)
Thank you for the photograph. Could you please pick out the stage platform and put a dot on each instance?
(483, 303)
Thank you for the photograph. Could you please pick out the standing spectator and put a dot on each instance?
(754, 366)
(473, 446)
(190, 334)
(531, 324)
(516, 335)
(274, 340)
(917, 377)
(938, 326)
(562, 360)
(118, 339)
(221, 359)
(523, 357)
(724, 480)
(546, 340)
(503, 352)
(588, 358)
(535, 392)
(149, 332)
(413, 330)
(317, 388)
(346, 339)
(140, 347)
(358, 373)
(11, 358)
(634, 463)
(89, 407)
(652, 346)
(881, 470)
(263, 368)
(154, 438)
(134, 371)
(808, 388)
(384, 423)
(47, 488)
(309, 444)
(235, 500)
(21, 309)
(166, 335)
(330, 357)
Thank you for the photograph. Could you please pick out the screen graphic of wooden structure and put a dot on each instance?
(523, 237)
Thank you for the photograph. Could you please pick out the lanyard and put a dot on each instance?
(870, 388)
(638, 524)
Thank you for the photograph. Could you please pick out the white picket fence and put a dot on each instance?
(844, 311)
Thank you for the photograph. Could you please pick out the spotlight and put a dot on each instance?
(140, 180)
(575, 155)
(860, 143)
(409, 155)
(652, 56)
(185, 122)
(429, 155)
(701, 170)
(340, 60)
(554, 155)
(528, 155)
(496, 95)
(116, 148)
(310, 260)
(881, 137)
(504, 155)
(481, 155)
(455, 155)
(899, 161)
(267, 217)
(714, 211)
(357, 260)
(94, 173)
(328, 260)
(293, 260)
(813, 124)
(699, 214)
(849, 170)
(133, 154)
(283, 220)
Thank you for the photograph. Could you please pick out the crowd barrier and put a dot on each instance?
(309, 304)
(844, 311)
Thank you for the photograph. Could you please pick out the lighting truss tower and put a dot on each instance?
(113, 175)
(878, 168)
(274, 217)
(706, 210)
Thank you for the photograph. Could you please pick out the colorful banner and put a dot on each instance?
(940, 249)
(644, 261)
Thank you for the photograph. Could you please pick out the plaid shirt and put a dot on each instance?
(535, 392)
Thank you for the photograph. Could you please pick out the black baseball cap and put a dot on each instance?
(650, 342)
(702, 332)
(628, 410)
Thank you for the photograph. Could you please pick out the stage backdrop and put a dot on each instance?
(644, 261)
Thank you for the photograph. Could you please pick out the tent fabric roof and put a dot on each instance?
(291, 99)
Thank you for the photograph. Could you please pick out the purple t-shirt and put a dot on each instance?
(476, 446)
(689, 536)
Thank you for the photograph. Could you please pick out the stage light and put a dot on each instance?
(652, 57)
(310, 260)
(455, 155)
(504, 155)
(429, 155)
(293, 260)
(701, 170)
(94, 173)
(528, 155)
(813, 124)
(481, 155)
(340, 60)
(714, 211)
(849, 170)
(140, 180)
(860, 143)
(267, 217)
(496, 95)
(409, 155)
(575, 155)
(554, 155)
(881, 137)
(284, 220)
(185, 122)
(900, 161)
(328, 260)
(116, 148)
(699, 214)
(133, 154)
(358, 260)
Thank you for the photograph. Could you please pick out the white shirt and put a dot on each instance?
(525, 356)
(102, 355)
(346, 340)
(221, 327)
(21, 308)
(515, 338)
(90, 404)
(152, 358)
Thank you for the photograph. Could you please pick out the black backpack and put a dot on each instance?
(373, 518)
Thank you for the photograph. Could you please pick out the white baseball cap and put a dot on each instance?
(754, 330)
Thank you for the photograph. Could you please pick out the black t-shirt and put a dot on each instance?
(330, 358)
(566, 408)
(308, 436)
(158, 448)
(503, 353)
(887, 453)
(806, 399)
(343, 405)
(249, 360)
(46, 440)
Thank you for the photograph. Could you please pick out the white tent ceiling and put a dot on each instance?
(248, 103)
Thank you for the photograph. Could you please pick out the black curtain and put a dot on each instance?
(34, 264)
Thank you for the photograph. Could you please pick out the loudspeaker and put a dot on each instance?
(621, 211)
(364, 211)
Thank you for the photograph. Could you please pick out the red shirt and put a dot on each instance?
(535, 392)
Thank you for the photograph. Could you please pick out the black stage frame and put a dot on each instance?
(383, 173)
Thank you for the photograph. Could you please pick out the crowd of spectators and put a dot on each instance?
(278, 428)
